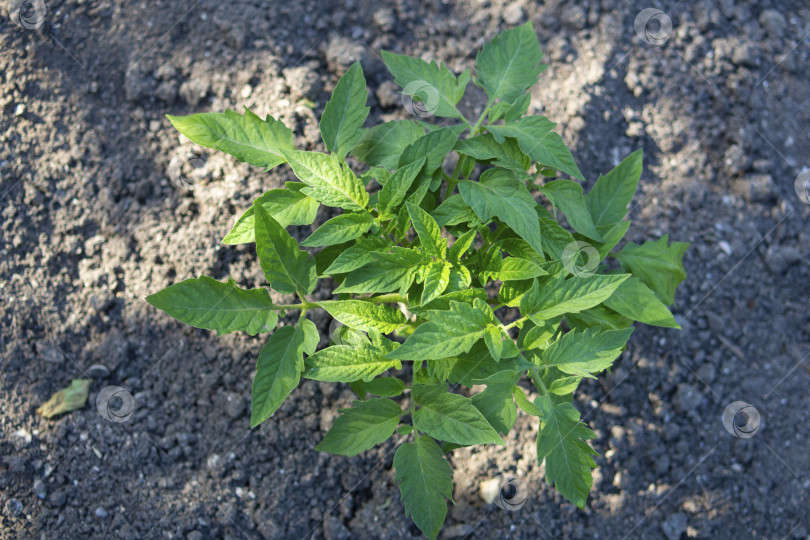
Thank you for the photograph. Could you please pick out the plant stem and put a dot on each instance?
(515, 323)
(480, 119)
(390, 298)
(452, 182)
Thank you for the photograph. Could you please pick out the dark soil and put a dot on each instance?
(103, 203)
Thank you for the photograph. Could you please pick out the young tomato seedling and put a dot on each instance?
(464, 278)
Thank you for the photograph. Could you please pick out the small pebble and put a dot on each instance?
(19, 110)
(40, 489)
(100, 512)
(98, 371)
(247, 90)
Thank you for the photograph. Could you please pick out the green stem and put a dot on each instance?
(514, 323)
(480, 119)
(391, 298)
(452, 182)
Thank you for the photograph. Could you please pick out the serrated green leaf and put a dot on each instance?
(448, 333)
(388, 272)
(343, 116)
(278, 371)
(248, 138)
(496, 402)
(586, 353)
(536, 139)
(364, 315)
(397, 186)
(357, 255)
(499, 194)
(437, 278)
(598, 317)
(514, 269)
(509, 64)
(494, 342)
(210, 304)
(382, 145)
(443, 302)
(511, 292)
(523, 402)
(435, 85)
(562, 443)
(328, 180)
(451, 417)
(505, 154)
(636, 301)
(520, 248)
(608, 199)
(430, 235)
(287, 206)
(559, 296)
(611, 235)
(340, 229)
(659, 265)
(555, 238)
(433, 146)
(425, 483)
(461, 245)
(510, 112)
(361, 427)
(454, 211)
(385, 387)
(567, 196)
(347, 363)
(539, 336)
(287, 268)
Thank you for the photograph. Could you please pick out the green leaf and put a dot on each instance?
(510, 64)
(510, 112)
(499, 194)
(451, 417)
(343, 116)
(357, 255)
(248, 138)
(287, 268)
(523, 402)
(433, 146)
(340, 229)
(562, 443)
(395, 189)
(443, 302)
(365, 316)
(494, 341)
(505, 154)
(540, 336)
(436, 280)
(536, 139)
(278, 371)
(599, 317)
(555, 238)
(611, 235)
(448, 333)
(659, 265)
(210, 304)
(345, 363)
(385, 387)
(567, 196)
(608, 199)
(287, 206)
(433, 84)
(496, 402)
(425, 483)
(328, 180)
(461, 245)
(361, 427)
(453, 211)
(382, 145)
(388, 272)
(517, 247)
(430, 235)
(635, 300)
(514, 269)
(585, 353)
(559, 296)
